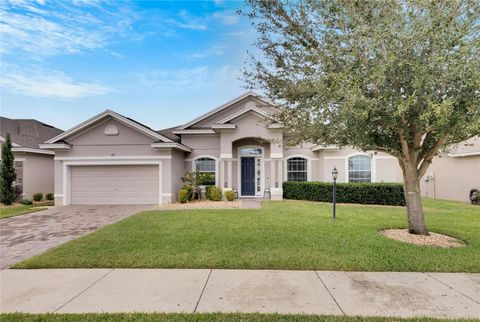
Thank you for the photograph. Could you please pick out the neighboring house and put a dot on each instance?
(34, 167)
(453, 174)
(112, 159)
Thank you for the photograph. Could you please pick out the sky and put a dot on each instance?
(161, 63)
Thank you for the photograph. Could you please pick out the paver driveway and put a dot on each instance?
(24, 236)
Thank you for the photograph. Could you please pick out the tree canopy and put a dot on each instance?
(401, 77)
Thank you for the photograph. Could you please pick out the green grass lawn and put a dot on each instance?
(224, 317)
(291, 235)
(16, 210)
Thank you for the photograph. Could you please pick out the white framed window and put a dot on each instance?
(297, 169)
(208, 166)
(359, 168)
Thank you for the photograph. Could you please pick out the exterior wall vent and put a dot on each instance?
(111, 130)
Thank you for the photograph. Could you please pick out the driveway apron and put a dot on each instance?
(24, 236)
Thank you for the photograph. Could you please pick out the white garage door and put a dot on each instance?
(114, 184)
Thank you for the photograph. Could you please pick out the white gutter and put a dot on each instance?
(55, 146)
(29, 150)
(462, 155)
(174, 145)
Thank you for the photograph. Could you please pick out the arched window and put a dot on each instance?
(206, 166)
(297, 169)
(360, 169)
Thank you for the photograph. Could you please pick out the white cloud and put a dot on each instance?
(185, 20)
(227, 18)
(40, 83)
(56, 28)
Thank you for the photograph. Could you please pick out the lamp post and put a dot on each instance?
(334, 176)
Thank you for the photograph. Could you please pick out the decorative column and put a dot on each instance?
(229, 175)
(273, 177)
(222, 174)
(276, 149)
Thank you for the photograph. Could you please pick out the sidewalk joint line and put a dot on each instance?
(73, 298)
(468, 297)
(203, 290)
(334, 299)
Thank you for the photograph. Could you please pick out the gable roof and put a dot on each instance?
(125, 120)
(243, 112)
(26, 133)
(223, 107)
(169, 134)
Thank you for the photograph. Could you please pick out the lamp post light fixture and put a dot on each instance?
(334, 176)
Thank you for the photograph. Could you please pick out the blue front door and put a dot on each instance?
(248, 176)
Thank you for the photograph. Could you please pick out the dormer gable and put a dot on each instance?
(222, 116)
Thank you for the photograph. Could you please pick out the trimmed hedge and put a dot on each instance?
(362, 193)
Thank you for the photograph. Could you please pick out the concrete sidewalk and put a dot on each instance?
(450, 295)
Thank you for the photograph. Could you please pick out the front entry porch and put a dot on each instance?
(251, 170)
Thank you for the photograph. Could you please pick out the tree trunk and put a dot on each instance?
(416, 219)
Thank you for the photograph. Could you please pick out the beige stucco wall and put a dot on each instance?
(452, 178)
(251, 130)
(38, 173)
(202, 145)
(385, 168)
(254, 127)
(177, 171)
(92, 146)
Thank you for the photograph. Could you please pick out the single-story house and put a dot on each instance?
(454, 173)
(113, 159)
(34, 166)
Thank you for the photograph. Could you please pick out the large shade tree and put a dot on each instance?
(401, 77)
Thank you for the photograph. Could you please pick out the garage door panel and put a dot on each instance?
(115, 184)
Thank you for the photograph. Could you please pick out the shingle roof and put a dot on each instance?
(469, 146)
(27, 133)
(169, 134)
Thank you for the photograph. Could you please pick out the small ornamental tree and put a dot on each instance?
(7, 173)
(401, 77)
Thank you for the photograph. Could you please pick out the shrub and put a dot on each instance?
(214, 193)
(183, 195)
(38, 196)
(190, 190)
(206, 179)
(26, 202)
(362, 193)
(49, 196)
(207, 192)
(18, 193)
(475, 196)
(196, 179)
(230, 195)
